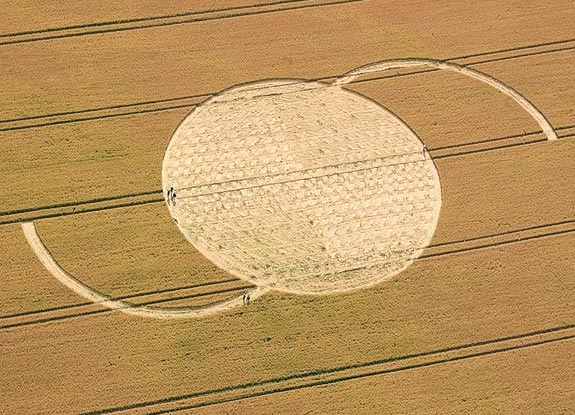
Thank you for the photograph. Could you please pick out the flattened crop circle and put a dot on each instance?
(302, 187)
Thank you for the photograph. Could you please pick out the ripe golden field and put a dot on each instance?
(483, 322)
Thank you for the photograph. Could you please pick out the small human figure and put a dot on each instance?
(244, 298)
(424, 150)
(169, 195)
(173, 198)
(248, 298)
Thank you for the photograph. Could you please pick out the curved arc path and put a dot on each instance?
(480, 76)
(46, 258)
(97, 297)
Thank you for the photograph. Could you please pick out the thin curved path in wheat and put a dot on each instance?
(97, 297)
(449, 66)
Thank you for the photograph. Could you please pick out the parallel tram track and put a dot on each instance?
(156, 196)
(328, 376)
(143, 19)
(191, 101)
(300, 381)
(53, 314)
(432, 251)
(160, 21)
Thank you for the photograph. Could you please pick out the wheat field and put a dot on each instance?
(482, 322)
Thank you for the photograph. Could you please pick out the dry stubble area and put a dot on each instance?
(460, 300)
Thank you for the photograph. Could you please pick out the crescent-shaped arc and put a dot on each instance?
(95, 296)
(480, 76)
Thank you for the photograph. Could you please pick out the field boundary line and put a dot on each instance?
(182, 19)
(322, 377)
(154, 106)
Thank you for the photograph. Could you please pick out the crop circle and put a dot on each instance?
(302, 187)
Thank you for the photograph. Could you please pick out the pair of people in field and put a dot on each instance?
(171, 197)
(246, 298)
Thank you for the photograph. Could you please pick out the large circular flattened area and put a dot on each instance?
(302, 187)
